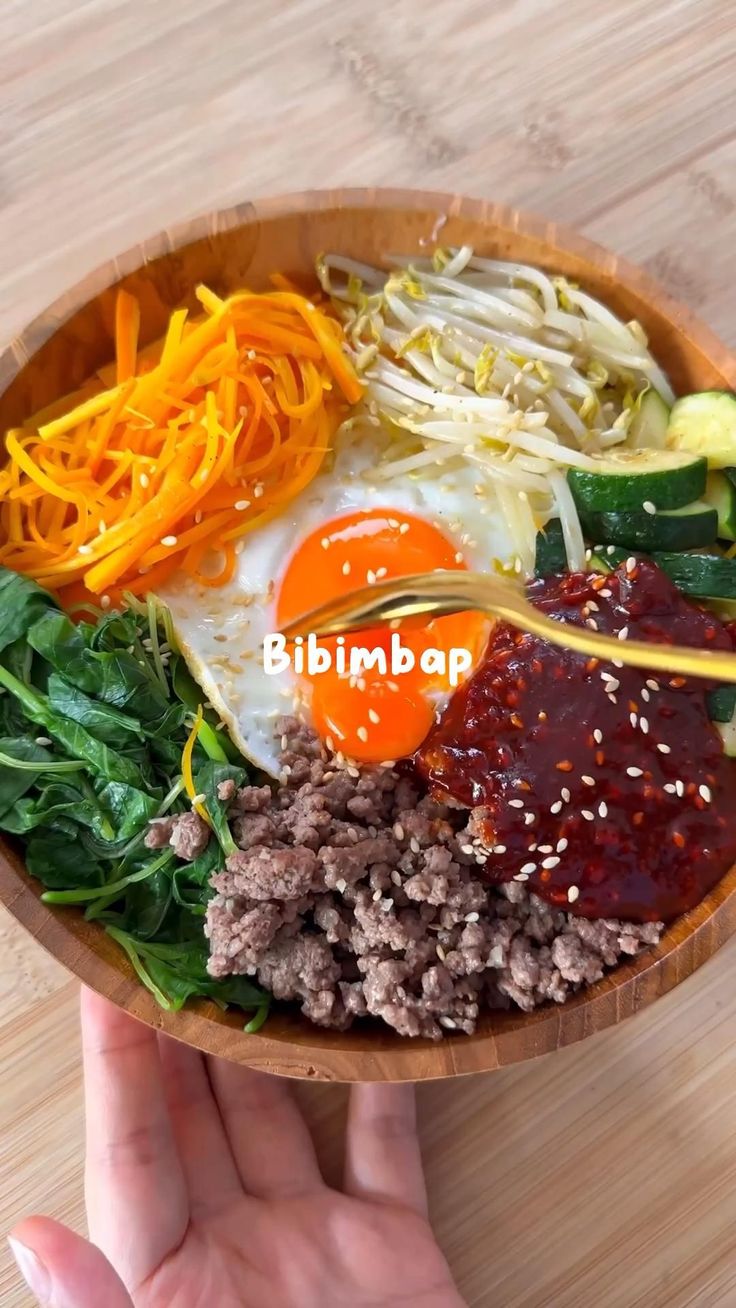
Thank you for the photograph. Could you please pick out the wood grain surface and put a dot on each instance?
(604, 1174)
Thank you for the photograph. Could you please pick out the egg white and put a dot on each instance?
(221, 629)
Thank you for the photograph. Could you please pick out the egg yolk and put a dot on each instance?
(376, 715)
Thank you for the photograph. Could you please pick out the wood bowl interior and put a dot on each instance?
(239, 247)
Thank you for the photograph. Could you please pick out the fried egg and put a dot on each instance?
(346, 529)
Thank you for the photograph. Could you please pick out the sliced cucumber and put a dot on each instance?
(727, 732)
(720, 492)
(606, 558)
(628, 479)
(674, 529)
(709, 575)
(721, 703)
(550, 554)
(648, 427)
(705, 423)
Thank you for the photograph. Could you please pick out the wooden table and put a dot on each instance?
(604, 1175)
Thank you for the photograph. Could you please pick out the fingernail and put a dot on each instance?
(32, 1270)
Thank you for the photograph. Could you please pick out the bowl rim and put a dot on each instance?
(686, 943)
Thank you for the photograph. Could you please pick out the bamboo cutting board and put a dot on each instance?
(605, 1174)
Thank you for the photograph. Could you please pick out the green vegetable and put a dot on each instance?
(21, 603)
(720, 493)
(672, 529)
(721, 703)
(111, 705)
(705, 423)
(629, 479)
(550, 554)
(727, 732)
(709, 575)
(648, 427)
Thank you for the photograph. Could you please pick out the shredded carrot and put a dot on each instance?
(181, 454)
(127, 326)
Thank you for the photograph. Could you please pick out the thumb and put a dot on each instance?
(64, 1270)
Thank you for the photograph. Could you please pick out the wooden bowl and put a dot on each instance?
(242, 246)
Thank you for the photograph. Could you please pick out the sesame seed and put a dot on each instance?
(467, 849)
(529, 819)
(414, 845)
(381, 573)
(680, 788)
(376, 896)
(648, 507)
(652, 684)
(706, 793)
(588, 781)
(105, 601)
(144, 480)
(169, 541)
(373, 716)
(84, 549)
(598, 735)
(527, 869)
(565, 795)
(199, 799)
(472, 917)
(396, 877)
(633, 719)
(606, 593)
(459, 557)
(631, 564)
(603, 809)
(543, 849)
(241, 505)
(591, 622)
(562, 845)
(258, 490)
(403, 528)
(663, 749)
(623, 633)
(370, 577)
(325, 542)
(586, 813)
(645, 695)
(498, 849)
(441, 956)
(610, 549)
(550, 862)
(346, 569)
(670, 787)
(43, 740)
(556, 807)
(644, 725)
(362, 734)
(634, 772)
(572, 894)
(516, 803)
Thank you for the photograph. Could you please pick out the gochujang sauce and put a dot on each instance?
(604, 788)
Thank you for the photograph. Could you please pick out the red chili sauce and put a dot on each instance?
(605, 788)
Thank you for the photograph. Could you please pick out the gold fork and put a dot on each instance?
(442, 592)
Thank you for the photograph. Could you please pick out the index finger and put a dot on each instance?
(137, 1204)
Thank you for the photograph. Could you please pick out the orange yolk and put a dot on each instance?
(376, 716)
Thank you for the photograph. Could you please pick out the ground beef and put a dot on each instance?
(186, 833)
(357, 895)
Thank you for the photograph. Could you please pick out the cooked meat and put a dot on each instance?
(360, 896)
(187, 834)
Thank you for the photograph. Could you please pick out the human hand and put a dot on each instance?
(203, 1189)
